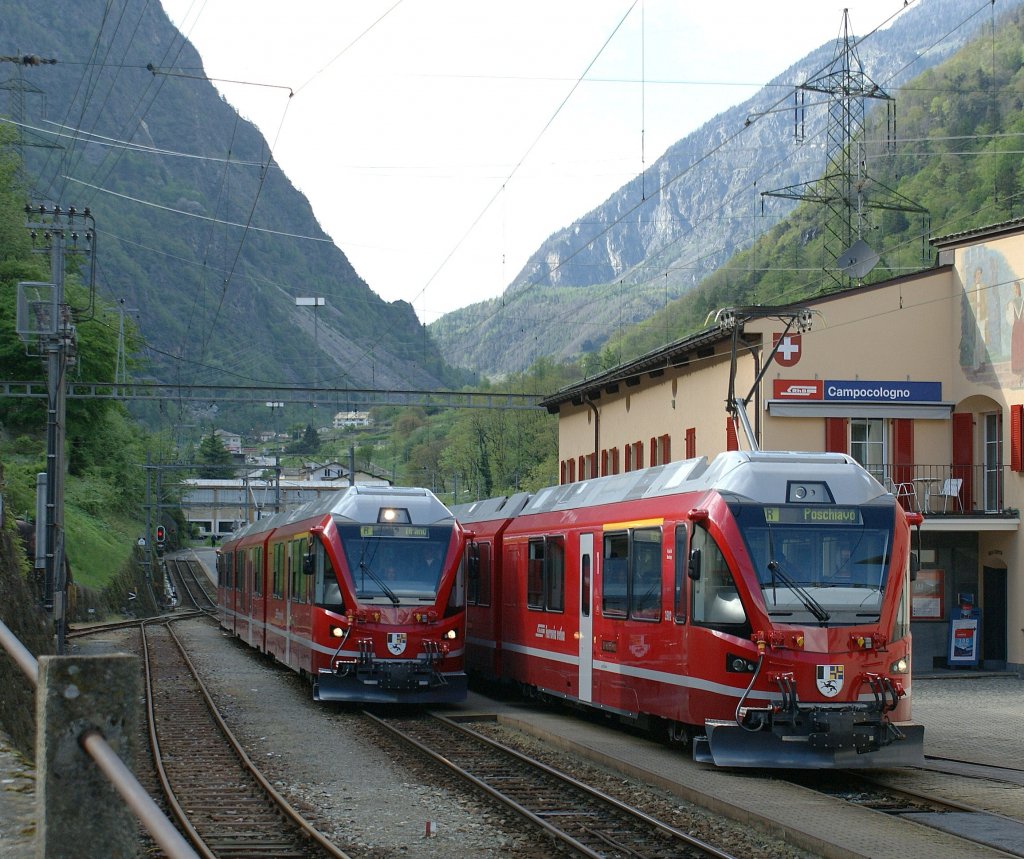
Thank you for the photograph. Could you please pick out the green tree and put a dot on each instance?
(214, 457)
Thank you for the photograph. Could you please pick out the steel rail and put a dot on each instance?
(121, 778)
(560, 835)
(282, 803)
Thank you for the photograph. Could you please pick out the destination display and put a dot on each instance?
(393, 531)
(812, 515)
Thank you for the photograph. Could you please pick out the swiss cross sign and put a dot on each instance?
(789, 349)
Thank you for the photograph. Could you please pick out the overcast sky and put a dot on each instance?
(440, 142)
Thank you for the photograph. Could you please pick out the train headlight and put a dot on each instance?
(451, 634)
(336, 631)
(900, 666)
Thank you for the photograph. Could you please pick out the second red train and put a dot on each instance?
(756, 605)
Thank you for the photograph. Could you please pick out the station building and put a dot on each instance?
(920, 378)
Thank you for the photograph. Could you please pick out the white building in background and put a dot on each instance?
(232, 441)
(352, 419)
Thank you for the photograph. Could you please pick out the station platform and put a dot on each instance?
(967, 716)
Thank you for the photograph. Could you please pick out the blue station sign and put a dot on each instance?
(861, 391)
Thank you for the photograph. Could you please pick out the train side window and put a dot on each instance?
(239, 569)
(585, 585)
(682, 561)
(615, 575)
(715, 600)
(545, 575)
(299, 589)
(478, 573)
(257, 573)
(645, 574)
(555, 575)
(278, 585)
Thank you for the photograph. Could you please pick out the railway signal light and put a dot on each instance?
(161, 533)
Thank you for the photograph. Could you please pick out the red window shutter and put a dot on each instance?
(665, 449)
(731, 441)
(1016, 446)
(835, 435)
(963, 454)
(903, 450)
(691, 442)
(572, 470)
(592, 462)
(615, 460)
(654, 451)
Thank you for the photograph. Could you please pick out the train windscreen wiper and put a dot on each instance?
(390, 594)
(810, 603)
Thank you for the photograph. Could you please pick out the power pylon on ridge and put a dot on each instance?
(846, 190)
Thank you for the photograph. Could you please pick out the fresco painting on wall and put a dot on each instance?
(992, 319)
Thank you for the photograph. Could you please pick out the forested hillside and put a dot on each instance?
(961, 161)
(662, 234)
(200, 233)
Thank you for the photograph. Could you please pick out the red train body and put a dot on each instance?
(757, 604)
(362, 590)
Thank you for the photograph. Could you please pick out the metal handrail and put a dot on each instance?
(139, 802)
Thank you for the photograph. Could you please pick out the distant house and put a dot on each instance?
(231, 441)
(352, 419)
(337, 472)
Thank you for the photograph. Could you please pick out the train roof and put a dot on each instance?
(359, 503)
(762, 476)
(502, 507)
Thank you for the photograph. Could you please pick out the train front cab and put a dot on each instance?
(397, 632)
(826, 591)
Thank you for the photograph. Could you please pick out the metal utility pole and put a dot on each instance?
(316, 302)
(44, 321)
(846, 190)
(18, 87)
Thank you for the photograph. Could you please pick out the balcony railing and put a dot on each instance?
(946, 490)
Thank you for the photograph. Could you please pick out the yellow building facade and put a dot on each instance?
(920, 378)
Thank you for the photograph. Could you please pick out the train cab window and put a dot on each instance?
(545, 579)
(327, 590)
(631, 585)
(478, 573)
(715, 600)
(679, 585)
(278, 573)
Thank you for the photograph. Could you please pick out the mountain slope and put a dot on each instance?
(199, 231)
(663, 233)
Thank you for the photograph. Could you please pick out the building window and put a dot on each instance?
(867, 445)
(691, 442)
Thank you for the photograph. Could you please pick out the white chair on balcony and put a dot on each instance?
(903, 490)
(950, 489)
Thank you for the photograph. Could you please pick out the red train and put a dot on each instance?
(757, 605)
(362, 590)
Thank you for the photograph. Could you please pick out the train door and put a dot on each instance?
(586, 627)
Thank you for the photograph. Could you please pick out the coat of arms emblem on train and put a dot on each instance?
(396, 644)
(830, 680)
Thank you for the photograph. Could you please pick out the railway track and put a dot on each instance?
(580, 819)
(993, 816)
(192, 583)
(224, 805)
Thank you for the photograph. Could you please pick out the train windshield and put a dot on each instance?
(395, 564)
(819, 564)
